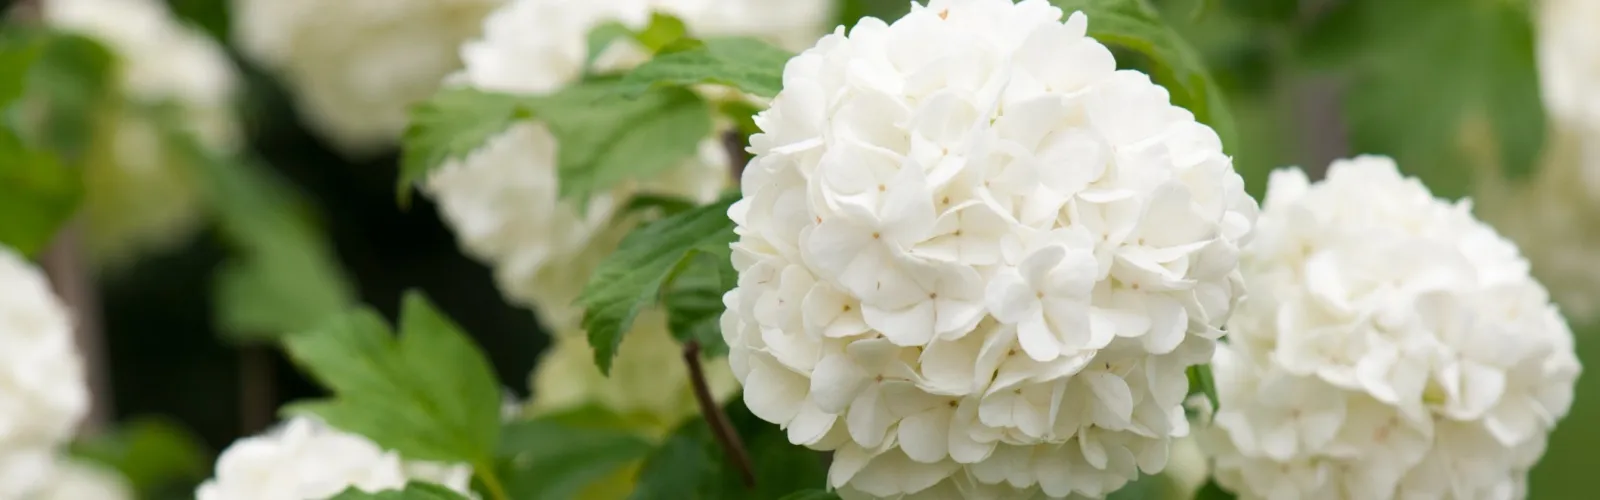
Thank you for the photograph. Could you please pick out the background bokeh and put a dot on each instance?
(1307, 81)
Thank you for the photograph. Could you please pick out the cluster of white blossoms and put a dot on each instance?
(305, 458)
(1392, 347)
(503, 202)
(976, 260)
(43, 395)
(137, 195)
(354, 67)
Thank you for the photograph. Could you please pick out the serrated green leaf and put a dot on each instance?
(1134, 25)
(413, 491)
(556, 460)
(618, 139)
(1201, 382)
(747, 64)
(604, 138)
(694, 300)
(429, 395)
(450, 125)
(155, 455)
(645, 263)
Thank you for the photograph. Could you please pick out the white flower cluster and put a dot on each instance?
(976, 259)
(305, 458)
(137, 197)
(43, 395)
(503, 200)
(355, 66)
(1392, 347)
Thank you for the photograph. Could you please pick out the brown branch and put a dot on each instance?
(258, 393)
(720, 427)
(67, 266)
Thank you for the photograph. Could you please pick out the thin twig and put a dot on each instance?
(720, 428)
(258, 395)
(67, 266)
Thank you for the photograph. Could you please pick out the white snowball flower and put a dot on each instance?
(792, 24)
(78, 480)
(305, 458)
(1392, 347)
(43, 395)
(137, 196)
(355, 66)
(975, 259)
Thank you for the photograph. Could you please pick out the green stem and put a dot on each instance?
(485, 472)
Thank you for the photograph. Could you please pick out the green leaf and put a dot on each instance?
(555, 460)
(450, 125)
(285, 277)
(747, 64)
(606, 140)
(668, 205)
(1417, 86)
(413, 491)
(1135, 26)
(1201, 382)
(71, 93)
(1213, 491)
(17, 55)
(645, 262)
(811, 495)
(694, 299)
(691, 464)
(852, 11)
(156, 456)
(663, 31)
(37, 195)
(429, 395)
(601, 38)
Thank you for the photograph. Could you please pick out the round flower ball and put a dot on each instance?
(354, 67)
(1392, 347)
(304, 458)
(975, 259)
(43, 395)
(139, 195)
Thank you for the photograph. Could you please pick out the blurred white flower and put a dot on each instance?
(649, 383)
(355, 66)
(43, 395)
(79, 480)
(975, 259)
(792, 24)
(1393, 346)
(305, 458)
(138, 194)
(1550, 217)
